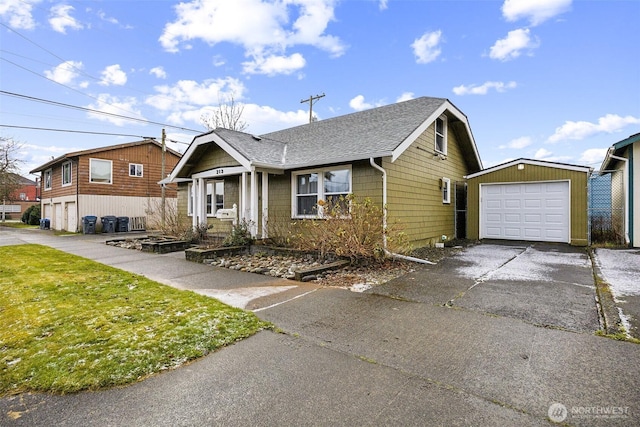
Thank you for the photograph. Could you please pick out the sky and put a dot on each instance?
(555, 80)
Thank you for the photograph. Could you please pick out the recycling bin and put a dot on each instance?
(108, 223)
(47, 223)
(89, 224)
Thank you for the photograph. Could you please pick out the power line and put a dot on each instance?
(75, 107)
(87, 132)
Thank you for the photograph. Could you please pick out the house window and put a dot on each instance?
(135, 169)
(23, 196)
(47, 179)
(100, 171)
(215, 196)
(66, 174)
(446, 190)
(311, 186)
(441, 134)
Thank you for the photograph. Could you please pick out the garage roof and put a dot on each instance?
(544, 163)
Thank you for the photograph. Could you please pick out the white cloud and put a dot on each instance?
(359, 104)
(65, 73)
(106, 18)
(111, 104)
(187, 95)
(159, 72)
(484, 88)
(267, 32)
(518, 143)
(18, 13)
(113, 75)
(406, 96)
(382, 4)
(542, 154)
(60, 19)
(512, 46)
(274, 64)
(426, 48)
(592, 156)
(536, 11)
(609, 123)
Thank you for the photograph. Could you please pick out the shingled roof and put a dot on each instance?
(378, 132)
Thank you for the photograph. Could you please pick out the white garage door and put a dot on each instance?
(531, 211)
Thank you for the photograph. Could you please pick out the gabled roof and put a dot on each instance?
(544, 163)
(617, 149)
(378, 132)
(90, 151)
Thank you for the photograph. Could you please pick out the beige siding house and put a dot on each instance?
(530, 200)
(623, 158)
(409, 156)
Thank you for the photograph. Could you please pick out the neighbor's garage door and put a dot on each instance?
(527, 211)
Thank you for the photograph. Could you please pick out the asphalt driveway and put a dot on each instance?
(548, 285)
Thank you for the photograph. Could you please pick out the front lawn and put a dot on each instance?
(69, 324)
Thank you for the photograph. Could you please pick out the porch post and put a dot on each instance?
(194, 203)
(202, 205)
(253, 213)
(265, 204)
(243, 197)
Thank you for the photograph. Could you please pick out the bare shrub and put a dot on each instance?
(349, 227)
(175, 224)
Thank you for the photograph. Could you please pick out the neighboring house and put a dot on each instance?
(622, 161)
(530, 200)
(407, 156)
(26, 194)
(118, 180)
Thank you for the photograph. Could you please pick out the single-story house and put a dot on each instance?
(530, 200)
(118, 180)
(623, 162)
(411, 157)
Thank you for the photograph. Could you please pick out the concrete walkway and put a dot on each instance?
(370, 359)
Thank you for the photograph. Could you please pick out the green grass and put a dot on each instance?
(71, 324)
(16, 224)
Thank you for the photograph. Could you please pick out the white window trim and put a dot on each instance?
(44, 179)
(110, 173)
(444, 135)
(213, 196)
(190, 199)
(70, 174)
(321, 195)
(135, 175)
(446, 191)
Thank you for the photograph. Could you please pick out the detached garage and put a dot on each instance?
(529, 200)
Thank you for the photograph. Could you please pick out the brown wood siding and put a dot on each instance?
(149, 155)
(57, 190)
(414, 195)
(533, 173)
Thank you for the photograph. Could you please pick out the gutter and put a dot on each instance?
(627, 219)
(384, 219)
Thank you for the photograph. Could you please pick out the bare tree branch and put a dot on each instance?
(227, 115)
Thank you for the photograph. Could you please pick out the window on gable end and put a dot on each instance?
(441, 135)
(47, 179)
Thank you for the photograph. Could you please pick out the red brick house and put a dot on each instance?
(26, 194)
(118, 180)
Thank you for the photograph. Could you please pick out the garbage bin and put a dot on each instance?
(108, 224)
(47, 223)
(89, 224)
(41, 223)
(123, 224)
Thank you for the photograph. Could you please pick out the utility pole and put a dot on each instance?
(164, 149)
(311, 100)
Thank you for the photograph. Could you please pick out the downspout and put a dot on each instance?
(384, 219)
(627, 219)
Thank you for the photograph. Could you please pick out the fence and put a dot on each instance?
(606, 207)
